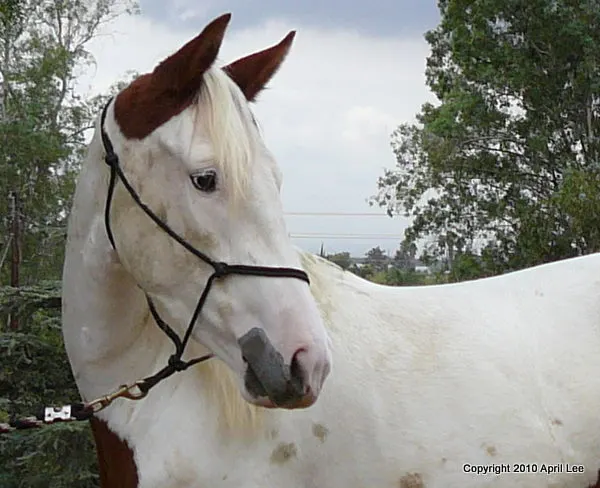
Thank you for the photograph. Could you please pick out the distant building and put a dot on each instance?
(421, 268)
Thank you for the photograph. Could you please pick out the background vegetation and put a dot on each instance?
(505, 169)
(43, 124)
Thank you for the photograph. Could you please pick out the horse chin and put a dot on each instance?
(263, 402)
(266, 402)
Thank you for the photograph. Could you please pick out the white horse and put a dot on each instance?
(489, 383)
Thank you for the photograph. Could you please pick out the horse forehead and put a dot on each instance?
(187, 139)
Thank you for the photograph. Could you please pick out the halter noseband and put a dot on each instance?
(221, 269)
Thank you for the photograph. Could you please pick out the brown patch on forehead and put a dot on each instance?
(154, 98)
(142, 107)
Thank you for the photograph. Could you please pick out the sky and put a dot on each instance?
(354, 73)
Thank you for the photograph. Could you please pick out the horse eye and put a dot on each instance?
(205, 181)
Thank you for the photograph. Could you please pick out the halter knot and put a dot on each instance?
(176, 363)
(111, 159)
(221, 269)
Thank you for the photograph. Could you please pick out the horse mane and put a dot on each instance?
(231, 128)
(237, 416)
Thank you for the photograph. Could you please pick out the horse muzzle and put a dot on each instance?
(269, 380)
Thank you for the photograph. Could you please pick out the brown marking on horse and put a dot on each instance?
(253, 72)
(146, 104)
(320, 432)
(154, 98)
(411, 480)
(283, 453)
(490, 450)
(115, 458)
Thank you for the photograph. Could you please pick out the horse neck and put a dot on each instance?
(106, 324)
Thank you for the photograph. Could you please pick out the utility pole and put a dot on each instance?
(15, 260)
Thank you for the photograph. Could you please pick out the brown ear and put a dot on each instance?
(183, 71)
(253, 72)
(154, 98)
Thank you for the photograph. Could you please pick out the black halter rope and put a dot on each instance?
(221, 269)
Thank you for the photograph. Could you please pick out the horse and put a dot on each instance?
(305, 375)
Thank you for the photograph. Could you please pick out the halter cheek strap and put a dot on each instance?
(220, 269)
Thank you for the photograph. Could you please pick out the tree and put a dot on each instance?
(43, 124)
(406, 256)
(377, 259)
(42, 127)
(342, 259)
(511, 155)
(35, 371)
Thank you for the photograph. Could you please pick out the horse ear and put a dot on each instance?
(182, 72)
(253, 72)
(153, 98)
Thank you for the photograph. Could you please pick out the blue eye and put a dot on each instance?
(205, 181)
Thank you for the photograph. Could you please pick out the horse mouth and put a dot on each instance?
(253, 383)
(267, 375)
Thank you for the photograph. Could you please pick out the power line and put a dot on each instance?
(349, 234)
(337, 214)
(316, 235)
(348, 238)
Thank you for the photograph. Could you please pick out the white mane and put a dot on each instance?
(229, 124)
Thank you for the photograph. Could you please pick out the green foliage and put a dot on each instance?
(43, 121)
(510, 157)
(29, 458)
(377, 259)
(399, 277)
(35, 372)
(342, 259)
(405, 257)
(466, 266)
(43, 125)
(378, 267)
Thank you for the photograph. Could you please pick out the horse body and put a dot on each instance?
(425, 380)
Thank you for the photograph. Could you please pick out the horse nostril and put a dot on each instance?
(297, 372)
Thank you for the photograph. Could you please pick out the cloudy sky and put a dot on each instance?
(356, 71)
